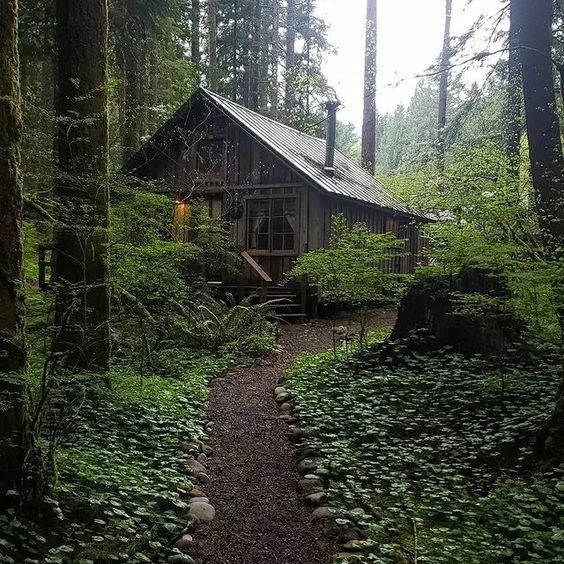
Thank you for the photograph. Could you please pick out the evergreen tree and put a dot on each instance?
(81, 236)
(14, 417)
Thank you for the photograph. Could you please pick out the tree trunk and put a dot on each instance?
(81, 237)
(213, 74)
(129, 63)
(274, 57)
(514, 92)
(14, 420)
(234, 52)
(547, 160)
(368, 154)
(195, 32)
(290, 97)
(254, 60)
(443, 86)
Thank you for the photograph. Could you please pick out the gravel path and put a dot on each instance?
(259, 516)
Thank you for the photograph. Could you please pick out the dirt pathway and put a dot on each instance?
(259, 516)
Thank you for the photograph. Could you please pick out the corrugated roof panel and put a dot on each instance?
(307, 154)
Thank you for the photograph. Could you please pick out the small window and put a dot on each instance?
(271, 224)
(210, 157)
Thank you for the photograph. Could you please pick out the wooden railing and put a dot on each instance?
(265, 279)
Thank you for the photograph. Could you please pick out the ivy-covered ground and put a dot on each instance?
(120, 485)
(435, 450)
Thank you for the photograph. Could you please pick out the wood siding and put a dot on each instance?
(251, 171)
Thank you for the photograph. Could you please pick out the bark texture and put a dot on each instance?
(195, 33)
(547, 161)
(274, 56)
(254, 62)
(514, 92)
(81, 238)
(290, 95)
(443, 86)
(430, 315)
(368, 153)
(14, 423)
(213, 71)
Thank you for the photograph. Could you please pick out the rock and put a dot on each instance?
(353, 545)
(190, 447)
(202, 511)
(209, 426)
(202, 477)
(308, 465)
(311, 477)
(322, 513)
(202, 458)
(181, 559)
(297, 433)
(316, 498)
(197, 492)
(185, 543)
(346, 556)
(286, 407)
(202, 499)
(204, 438)
(279, 390)
(342, 530)
(196, 467)
(309, 486)
(281, 398)
(307, 452)
(207, 450)
(285, 417)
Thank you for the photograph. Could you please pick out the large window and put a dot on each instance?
(271, 224)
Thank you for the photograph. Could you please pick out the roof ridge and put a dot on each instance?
(262, 116)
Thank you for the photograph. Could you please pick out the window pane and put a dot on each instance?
(277, 242)
(278, 207)
(288, 242)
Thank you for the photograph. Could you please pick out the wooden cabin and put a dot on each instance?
(278, 188)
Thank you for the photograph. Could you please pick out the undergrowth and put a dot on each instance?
(436, 452)
(120, 486)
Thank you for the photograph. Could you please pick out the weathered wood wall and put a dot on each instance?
(253, 171)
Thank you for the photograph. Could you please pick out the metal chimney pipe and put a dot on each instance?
(330, 137)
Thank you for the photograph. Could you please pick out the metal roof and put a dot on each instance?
(303, 152)
(307, 155)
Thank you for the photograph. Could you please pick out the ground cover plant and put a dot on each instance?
(436, 451)
(120, 485)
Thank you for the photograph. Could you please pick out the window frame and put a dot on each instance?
(270, 199)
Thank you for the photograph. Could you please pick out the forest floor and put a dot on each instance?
(259, 516)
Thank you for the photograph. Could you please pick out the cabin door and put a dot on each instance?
(272, 233)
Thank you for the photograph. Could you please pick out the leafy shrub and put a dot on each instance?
(218, 326)
(120, 476)
(436, 449)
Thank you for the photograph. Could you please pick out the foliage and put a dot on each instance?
(223, 326)
(435, 450)
(161, 292)
(351, 268)
(121, 486)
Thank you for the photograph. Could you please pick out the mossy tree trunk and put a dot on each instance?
(14, 417)
(547, 160)
(81, 187)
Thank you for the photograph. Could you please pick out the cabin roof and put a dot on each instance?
(303, 152)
